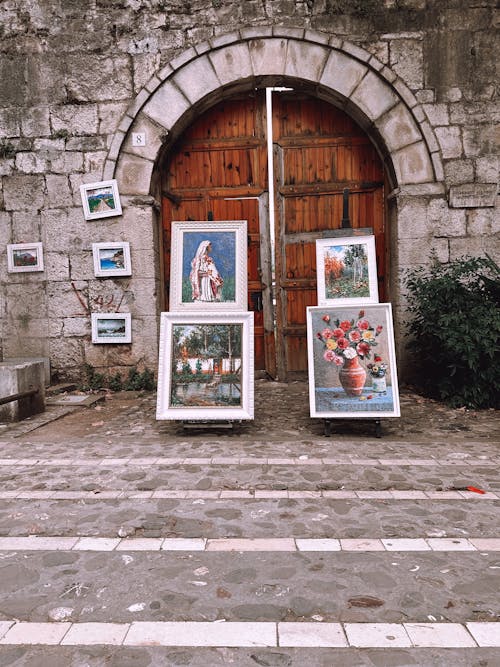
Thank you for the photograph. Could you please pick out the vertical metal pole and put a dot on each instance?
(346, 223)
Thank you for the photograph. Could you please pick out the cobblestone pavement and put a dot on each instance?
(281, 545)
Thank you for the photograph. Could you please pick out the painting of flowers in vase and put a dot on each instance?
(351, 361)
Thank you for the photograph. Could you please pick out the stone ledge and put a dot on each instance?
(473, 195)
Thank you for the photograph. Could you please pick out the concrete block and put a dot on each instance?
(18, 377)
(232, 63)
(342, 74)
(373, 96)
(305, 60)
(398, 128)
(23, 360)
(197, 79)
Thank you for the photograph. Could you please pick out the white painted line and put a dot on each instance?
(406, 544)
(317, 544)
(485, 634)
(184, 544)
(35, 633)
(311, 635)
(248, 634)
(85, 634)
(250, 544)
(380, 635)
(260, 494)
(201, 634)
(97, 543)
(442, 635)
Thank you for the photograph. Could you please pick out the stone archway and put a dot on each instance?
(335, 70)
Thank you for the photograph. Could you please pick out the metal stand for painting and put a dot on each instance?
(347, 230)
(193, 424)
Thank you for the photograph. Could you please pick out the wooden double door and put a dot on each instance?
(218, 170)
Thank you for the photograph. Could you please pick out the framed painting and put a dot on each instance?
(111, 259)
(24, 257)
(346, 270)
(352, 362)
(111, 328)
(206, 367)
(208, 269)
(100, 200)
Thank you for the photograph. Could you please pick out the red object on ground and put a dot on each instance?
(473, 488)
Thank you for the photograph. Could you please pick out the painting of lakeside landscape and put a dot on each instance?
(205, 367)
(24, 257)
(100, 200)
(111, 259)
(111, 328)
(346, 270)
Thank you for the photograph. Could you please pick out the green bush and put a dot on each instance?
(455, 330)
(135, 380)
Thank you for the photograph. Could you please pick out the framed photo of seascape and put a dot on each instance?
(100, 200)
(111, 328)
(208, 267)
(352, 362)
(346, 270)
(24, 257)
(111, 259)
(206, 367)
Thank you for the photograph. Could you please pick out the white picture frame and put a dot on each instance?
(206, 367)
(212, 277)
(24, 257)
(111, 259)
(100, 199)
(111, 328)
(346, 270)
(339, 337)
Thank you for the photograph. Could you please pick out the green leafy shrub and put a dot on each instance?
(455, 328)
(135, 380)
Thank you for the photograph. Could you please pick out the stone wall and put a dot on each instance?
(76, 75)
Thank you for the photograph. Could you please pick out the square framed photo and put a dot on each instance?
(346, 270)
(352, 362)
(111, 328)
(208, 268)
(111, 259)
(24, 257)
(206, 367)
(100, 200)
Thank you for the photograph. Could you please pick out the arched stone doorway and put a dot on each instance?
(218, 170)
(338, 72)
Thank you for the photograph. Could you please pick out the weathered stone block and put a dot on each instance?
(30, 163)
(437, 114)
(196, 79)
(398, 128)
(373, 96)
(476, 246)
(76, 119)
(167, 105)
(445, 222)
(483, 221)
(56, 265)
(76, 326)
(406, 59)
(412, 217)
(232, 63)
(17, 378)
(342, 73)
(67, 300)
(305, 60)
(473, 195)
(459, 171)
(10, 120)
(487, 168)
(140, 223)
(134, 175)
(109, 115)
(65, 229)
(412, 251)
(26, 299)
(25, 226)
(23, 192)
(112, 70)
(67, 162)
(154, 136)
(268, 56)
(412, 165)
(23, 360)
(450, 140)
(67, 356)
(5, 228)
(35, 122)
(58, 191)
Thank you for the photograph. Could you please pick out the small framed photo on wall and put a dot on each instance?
(111, 328)
(100, 200)
(24, 257)
(346, 270)
(111, 259)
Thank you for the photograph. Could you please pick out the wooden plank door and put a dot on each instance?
(318, 152)
(218, 171)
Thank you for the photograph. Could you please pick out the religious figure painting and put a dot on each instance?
(205, 369)
(346, 270)
(208, 265)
